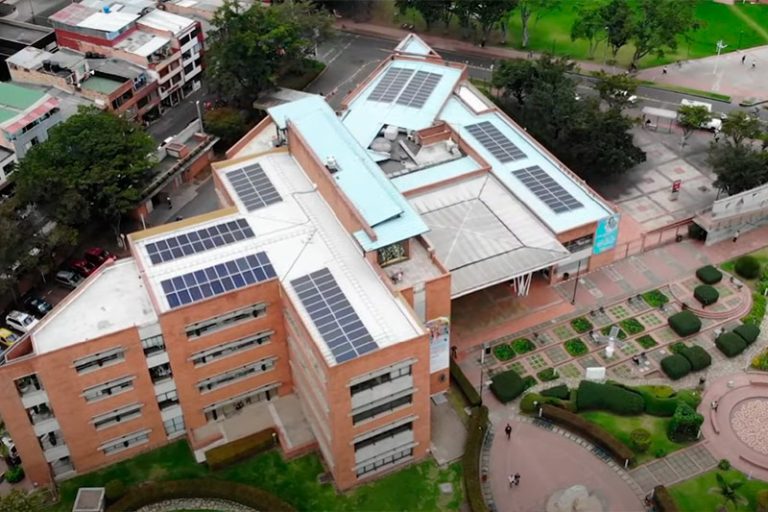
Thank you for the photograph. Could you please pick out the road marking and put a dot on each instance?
(340, 51)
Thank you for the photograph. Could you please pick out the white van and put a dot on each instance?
(715, 123)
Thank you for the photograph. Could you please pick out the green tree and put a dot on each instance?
(430, 10)
(617, 21)
(691, 118)
(227, 123)
(489, 12)
(463, 10)
(738, 168)
(589, 25)
(249, 49)
(528, 8)
(20, 501)
(515, 78)
(740, 126)
(615, 89)
(685, 423)
(729, 491)
(92, 169)
(657, 25)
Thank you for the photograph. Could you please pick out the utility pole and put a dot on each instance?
(576, 284)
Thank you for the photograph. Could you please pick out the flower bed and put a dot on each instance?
(522, 345)
(605, 331)
(503, 352)
(646, 341)
(631, 326)
(655, 298)
(576, 347)
(581, 325)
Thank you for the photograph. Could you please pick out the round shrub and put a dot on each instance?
(507, 386)
(581, 325)
(576, 347)
(675, 366)
(762, 500)
(523, 345)
(608, 397)
(561, 391)
(685, 323)
(640, 440)
(747, 267)
(709, 275)
(503, 352)
(730, 344)
(14, 474)
(547, 375)
(685, 423)
(697, 356)
(748, 332)
(527, 402)
(706, 294)
(114, 490)
(724, 464)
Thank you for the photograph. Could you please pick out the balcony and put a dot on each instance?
(39, 413)
(33, 398)
(31, 391)
(160, 373)
(56, 453)
(157, 359)
(62, 468)
(167, 403)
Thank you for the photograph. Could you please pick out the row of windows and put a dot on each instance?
(99, 360)
(382, 409)
(168, 399)
(117, 416)
(385, 461)
(237, 374)
(223, 321)
(109, 388)
(405, 427)
(125, 442)
(174, 425)
(233, 406)
(153, 344)
(380, 379)
(226, 349)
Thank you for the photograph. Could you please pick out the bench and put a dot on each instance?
(761, 465)
(713, 420)
(758, 382)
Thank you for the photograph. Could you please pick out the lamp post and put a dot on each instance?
(576, 284)
(720, 47)
(481, 385)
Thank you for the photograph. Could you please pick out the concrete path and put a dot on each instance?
(680, 465)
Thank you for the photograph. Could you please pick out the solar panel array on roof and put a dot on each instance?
(174, 247)
(218, 279)
(496, 142)
(338, 323)
(390, 85)
(253, 187)
(419, 89)
(547, 189)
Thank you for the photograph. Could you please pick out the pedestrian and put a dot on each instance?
(736, 235)
(664, 70)
(517, 478)
(636, 360)
(743, 58)
(511, 481)
(508, 431)
(643, 356)
(168, 200)
(179, 217)
(714, 405)
(754, 63)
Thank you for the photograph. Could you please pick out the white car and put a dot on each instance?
(630, 98)
(715, 123)
(20, 321)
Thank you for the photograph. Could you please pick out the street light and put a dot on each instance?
(576, 284)
(720, 47)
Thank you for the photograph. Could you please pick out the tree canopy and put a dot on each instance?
(589, 25)
(740, 127)
(738, 167)
(21, 501)
(691, 118)
(657, 25)
(615, 89)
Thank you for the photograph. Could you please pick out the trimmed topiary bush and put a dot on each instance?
(748, 332)
(507, 386)
(706, 294)
(581, 325)
(656, 405)
(646, 341)
(677, 347)
(114, 490)
(709, 275)
(675, 366)
(576, 347)
(14, 474)
(522, 345)
(747, 267)
(470, 461)
(697, 356)
(685, 323)
(503, 352)
(608, 397)
(561, 391)
(730, 344)
(640, 440)
(239, 449)
(685, 423)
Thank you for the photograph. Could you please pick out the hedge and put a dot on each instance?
(706, 294)
(589, 430)
(507, 386)
(747, 267)
(608, 397)
(560, 391)
(676, 366)
(473, 450)
(748, 332)
(685, 323)
(657, 406)
(664, 501)
(146, 494)
(730, 344)
(240, 449)
(467, 389)
(709, 275)
(697, 356)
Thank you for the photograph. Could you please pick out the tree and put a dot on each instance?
(527, 8)
(430, 10)
(617, 21)
(615, 90)
(729, 491)
(657, 25)
(463, 10)
(20, 501)
(488, 13)
(690, 118)
(685, 423)
(249, 49)
(92, 169)
(740, 126)
(589, 26)
(227, 123)
(515, 78)
(738, 168)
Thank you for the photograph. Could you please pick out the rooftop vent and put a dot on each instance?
(331, 164)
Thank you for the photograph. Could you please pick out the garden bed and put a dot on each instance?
(576, 347)
(655, 298)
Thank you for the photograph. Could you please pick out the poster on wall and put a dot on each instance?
(607, 234)
(439, 343)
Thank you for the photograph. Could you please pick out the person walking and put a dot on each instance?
(511, 481)
(508, 431)
(664, 70)
(754, 63)
(736, 235)
(743, 58)
(517, 479)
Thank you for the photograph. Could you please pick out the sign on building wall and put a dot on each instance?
(607, 234)
(439, 343)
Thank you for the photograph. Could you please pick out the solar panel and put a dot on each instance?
(338, 323)
(253, 187)
(419, 89)
(169, 249)
(547, 189)
(390, 85)
(218, 279)
(495, 142)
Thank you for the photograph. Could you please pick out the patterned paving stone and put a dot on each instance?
(658, 355)
(557, 354)
(543, 340)
(570, 370)
(662, 471)
(537, 362)
(589, 362)
(623, 371)
(665, 335)
(563, 332)
(518, 366)
(652, 319)
(682, 464)
(629, 348)
(644, 478)
(619, 311)
(702, 456)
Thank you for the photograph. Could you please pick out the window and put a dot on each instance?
(226, 320)
(125, 442)
(383, 436)
(109, 388)
(382, 409)
(126, 413)
(160, 373)
(385, 461)
(233, 406)
(227, 349)
(166, 400)
(174, 425)
(578, 244)
(237, 374)
(380, 379)
(99, 360)
(153, 345)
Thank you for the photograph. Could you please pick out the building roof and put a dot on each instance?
(142, 43)
(414, 45)
(20, 106)
(111, 300)
(164, 20)
(101, 84)
(33, 58)
(19, 32)
(108, 21)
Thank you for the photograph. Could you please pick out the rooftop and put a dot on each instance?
(111, 300)
(116, 67)
(208, 5)
(142, 43)
(164, 20)
(33, 58)
(414, 45)
(124, 6)
(101, 84)
(25, 102)
(20, 32)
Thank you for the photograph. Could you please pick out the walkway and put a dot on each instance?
(680, 465)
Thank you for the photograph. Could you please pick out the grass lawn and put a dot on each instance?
(621, 426)
(413, 488)
(761, 255)
(694, 495)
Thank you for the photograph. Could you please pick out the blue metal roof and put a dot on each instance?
(384, 209)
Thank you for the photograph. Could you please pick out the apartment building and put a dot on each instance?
(17, 35)
(317, 299)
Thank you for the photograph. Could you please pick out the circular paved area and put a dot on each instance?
(738, 429)
(548, 462)
(196, 504)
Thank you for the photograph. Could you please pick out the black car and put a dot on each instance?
(37, 305)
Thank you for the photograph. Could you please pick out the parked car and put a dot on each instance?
(97, 256)
(715, 123)
(8, 337)
(22, 322)
(68, 278)
(81, 266)
(13, 458)
(37, 305)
